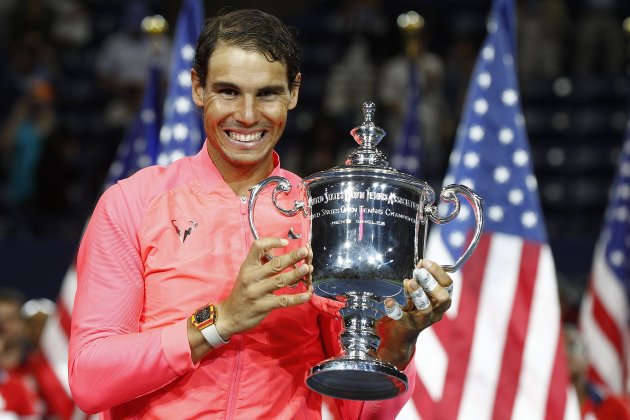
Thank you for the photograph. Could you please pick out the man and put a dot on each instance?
(169, 240)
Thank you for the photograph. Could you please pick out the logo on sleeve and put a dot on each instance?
(184, 228)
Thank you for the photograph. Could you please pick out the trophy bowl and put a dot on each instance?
(368, 227)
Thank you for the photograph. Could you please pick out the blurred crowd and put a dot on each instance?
(27, 386)
(72, 73)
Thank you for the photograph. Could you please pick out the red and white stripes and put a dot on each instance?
(604, 325)
(498, 352)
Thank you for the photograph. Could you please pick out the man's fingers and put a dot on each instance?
(420, 298)
(426, 280)
(286, 300)
(285, 279)
(261, 247)
(434, 280)
(392, 309)
(436, 271)
(282, 262)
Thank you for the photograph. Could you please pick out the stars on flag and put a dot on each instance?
(618, 215)
(138, 149)
(491, 153)
(182, 130)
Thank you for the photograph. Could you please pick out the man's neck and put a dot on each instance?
(241, 178)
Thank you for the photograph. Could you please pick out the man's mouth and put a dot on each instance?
(245, 138)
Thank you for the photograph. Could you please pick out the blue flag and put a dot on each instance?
(408, 151)
(182, 131)
(139, 148)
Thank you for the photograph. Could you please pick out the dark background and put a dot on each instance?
(575, 109)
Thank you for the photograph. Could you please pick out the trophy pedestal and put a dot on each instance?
(351, 378)
(357, 374)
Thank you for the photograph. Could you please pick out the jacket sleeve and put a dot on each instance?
(330, 327)
(110, 360)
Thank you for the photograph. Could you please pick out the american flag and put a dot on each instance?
(140, 146)
(143, 145)
(605, 309)
(498, 353)
(182, 131)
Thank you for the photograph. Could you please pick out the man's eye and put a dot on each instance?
(228, 92)
(268, 93)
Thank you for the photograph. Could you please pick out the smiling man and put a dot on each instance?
(178, 313)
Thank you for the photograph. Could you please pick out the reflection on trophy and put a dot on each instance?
(368, 228)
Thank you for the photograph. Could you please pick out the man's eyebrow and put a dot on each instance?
(277, 88)
(273, 88)
(223, 85)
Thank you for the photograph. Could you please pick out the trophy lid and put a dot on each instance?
(367, 160)
(368, 136)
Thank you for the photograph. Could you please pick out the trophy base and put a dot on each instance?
(357, 379)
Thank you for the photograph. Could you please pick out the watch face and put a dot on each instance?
(203, 315)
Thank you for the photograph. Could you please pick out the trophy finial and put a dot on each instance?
(369, 108)
(367, 135)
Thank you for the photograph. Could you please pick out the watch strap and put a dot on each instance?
(212, 336)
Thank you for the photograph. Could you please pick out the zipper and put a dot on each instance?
(238, 365)
(233, 393)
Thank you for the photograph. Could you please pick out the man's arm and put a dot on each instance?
(107, 351)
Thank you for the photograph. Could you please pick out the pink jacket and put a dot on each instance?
(140, 276)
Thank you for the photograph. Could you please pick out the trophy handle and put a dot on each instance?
(449, 194)
(284, 186)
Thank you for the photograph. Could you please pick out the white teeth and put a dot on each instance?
(245, 137)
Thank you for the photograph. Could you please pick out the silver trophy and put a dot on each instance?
(367, 227)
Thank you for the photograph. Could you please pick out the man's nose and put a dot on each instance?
(247, 112)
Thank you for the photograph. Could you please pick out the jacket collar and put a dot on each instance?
(208, 173)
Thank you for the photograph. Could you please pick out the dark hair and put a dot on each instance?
(251, 30)
(10, 295)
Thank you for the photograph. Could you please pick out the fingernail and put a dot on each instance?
(414, 285)
(303, 269)
(427, 263)
(302, 252)
(284, 242)
(304, 297)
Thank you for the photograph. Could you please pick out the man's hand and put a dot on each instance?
(429, 296)
(252, 296)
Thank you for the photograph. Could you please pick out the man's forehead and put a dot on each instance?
(238, 65)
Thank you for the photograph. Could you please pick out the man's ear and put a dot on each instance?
(197, 89)
(294, 91)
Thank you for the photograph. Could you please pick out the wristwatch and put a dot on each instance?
(205, 318)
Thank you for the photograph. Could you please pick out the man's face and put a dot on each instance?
(245, 103)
